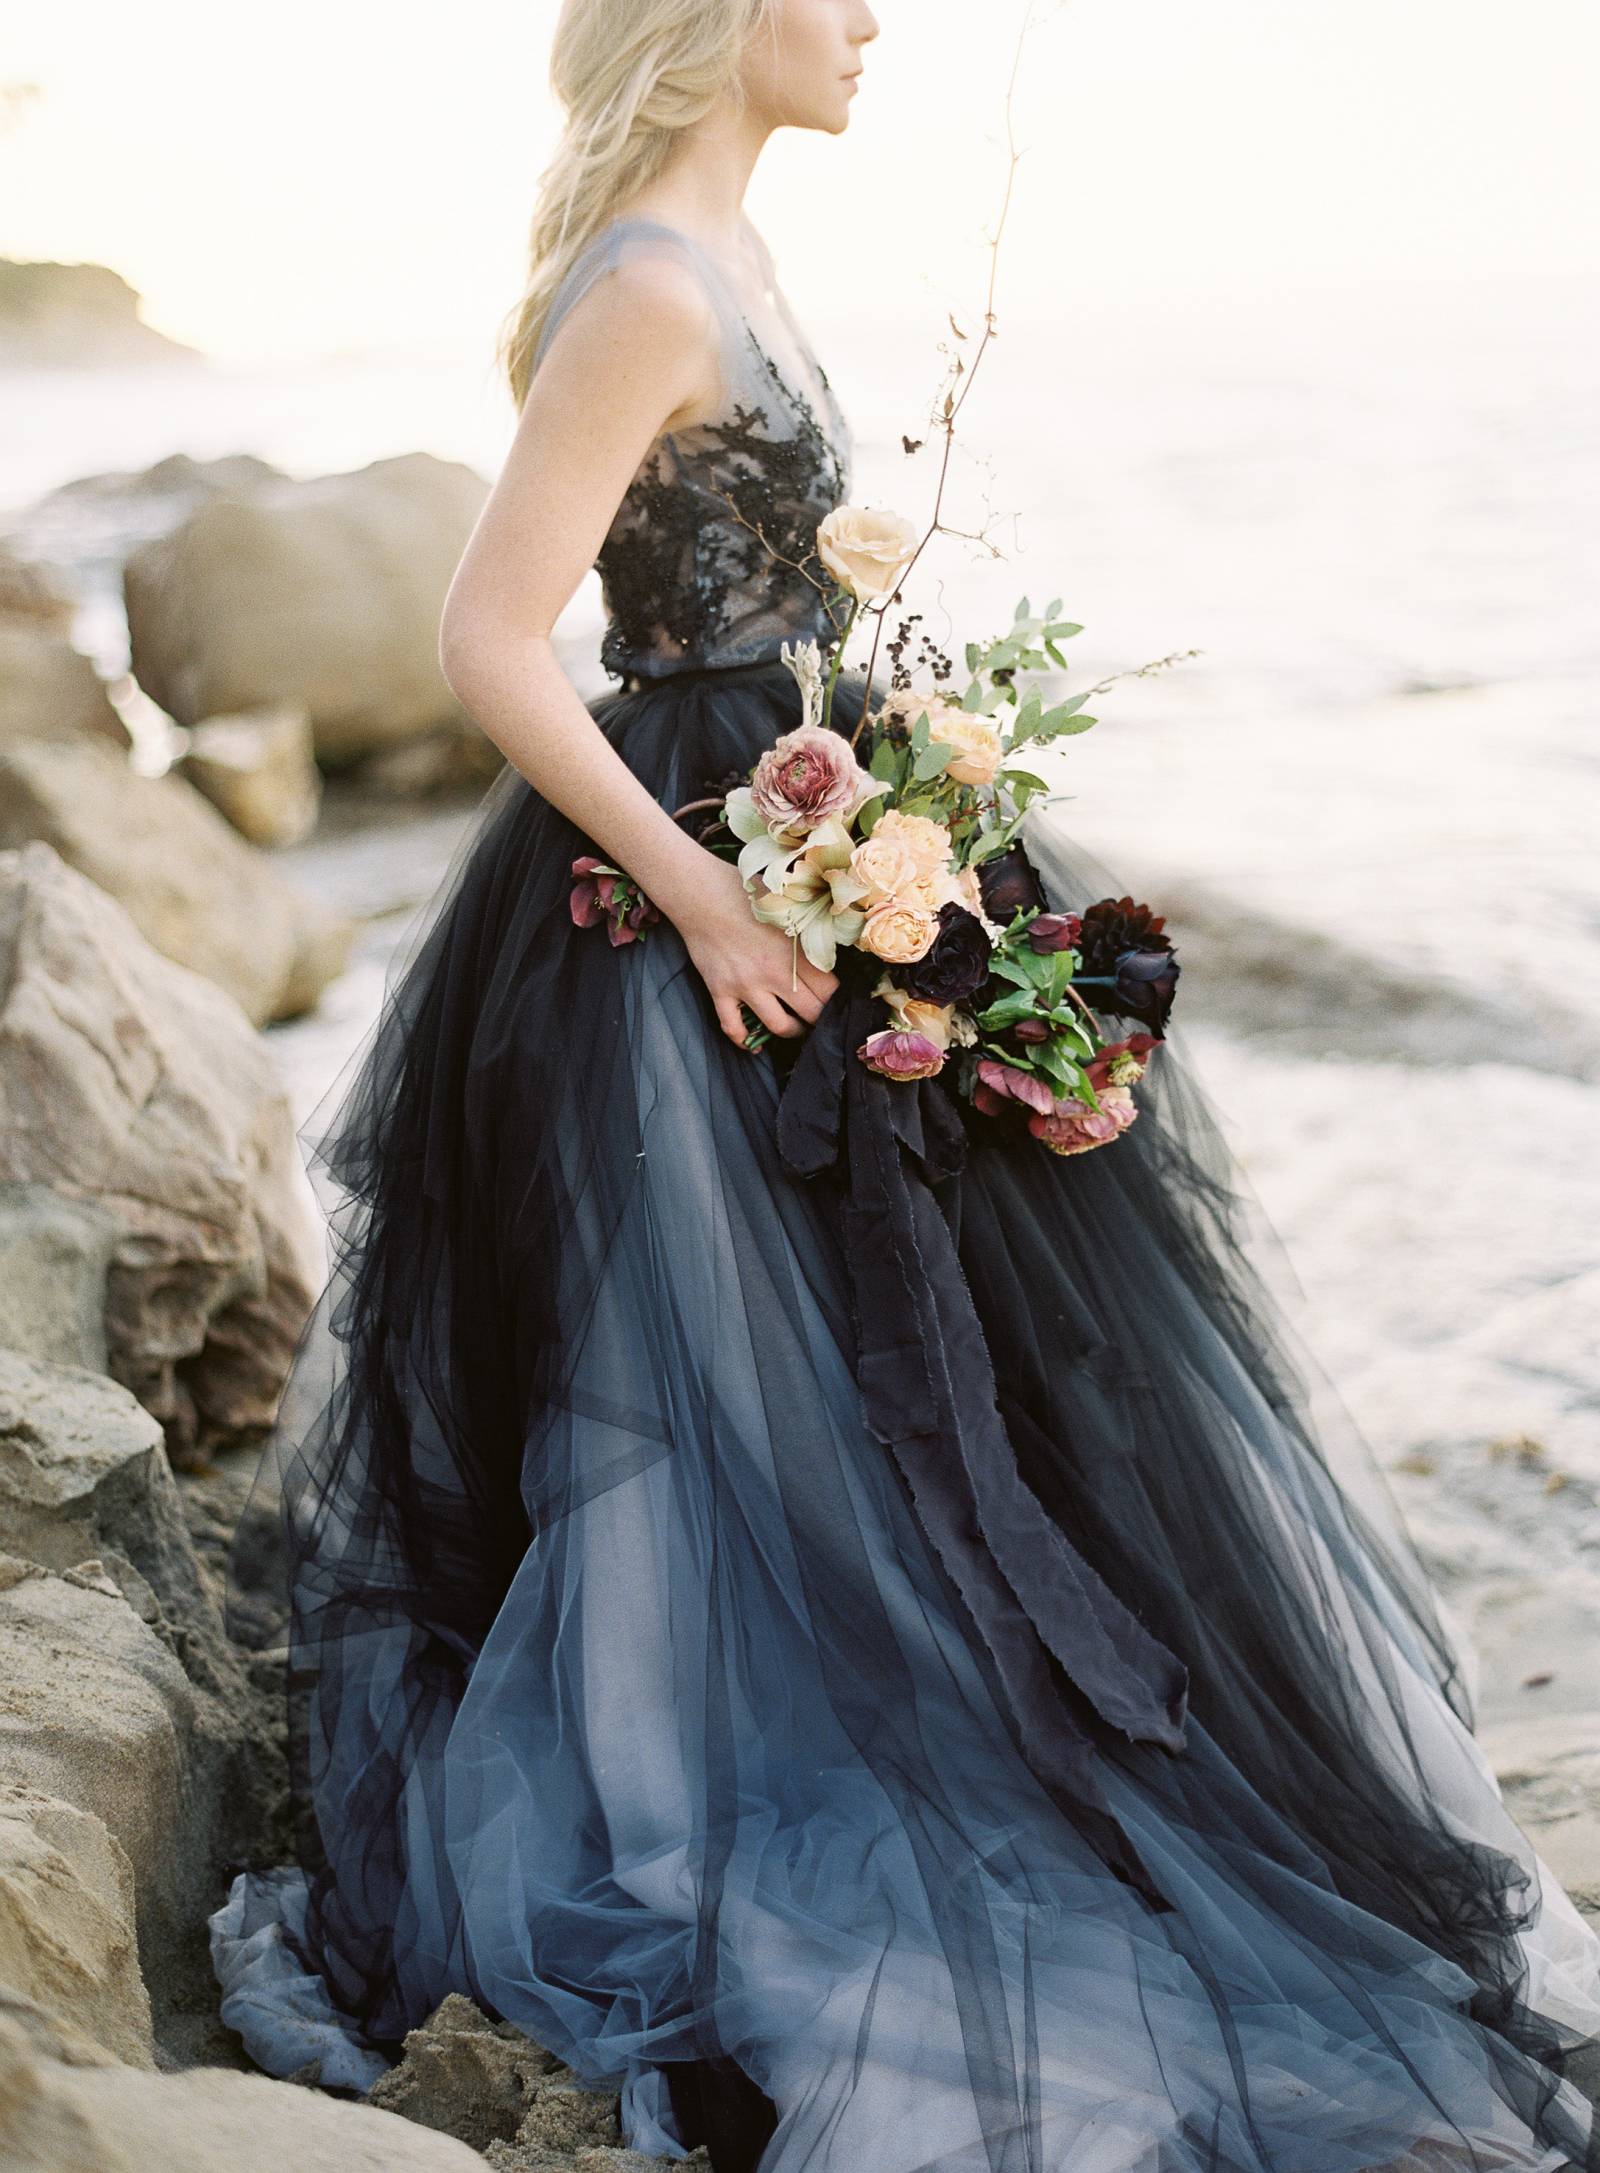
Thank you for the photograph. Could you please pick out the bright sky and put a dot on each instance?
(327, 175)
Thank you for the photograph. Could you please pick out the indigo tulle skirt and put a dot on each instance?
(1077, 1780)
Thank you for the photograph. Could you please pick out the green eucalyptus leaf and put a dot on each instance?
(931, 761)
(1006, 1010)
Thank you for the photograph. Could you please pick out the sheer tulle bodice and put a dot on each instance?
(698, 567)
(628, 1691)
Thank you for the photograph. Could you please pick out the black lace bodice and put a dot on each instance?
(702, 564)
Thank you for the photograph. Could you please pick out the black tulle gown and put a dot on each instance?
(822, 1612)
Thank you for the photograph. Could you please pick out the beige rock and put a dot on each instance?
(490, 2086)
(55, 1259)
(133, 1087)
(95, 1710)
(465, 2075)
(57, 2117)
(31, 595)
(454, 759)
(326, 592)
(49, 690)
(193, 887)
(259, 770)
(84, 1475)
(67, 1938)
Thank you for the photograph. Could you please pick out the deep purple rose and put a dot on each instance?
(1146, 983)
(955, 963)
(1009, 884)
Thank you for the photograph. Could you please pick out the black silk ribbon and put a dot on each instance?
(927, 1390)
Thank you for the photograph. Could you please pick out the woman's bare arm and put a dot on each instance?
(637, 352)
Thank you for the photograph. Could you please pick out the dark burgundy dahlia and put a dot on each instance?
(954, 965)
(1126, 945)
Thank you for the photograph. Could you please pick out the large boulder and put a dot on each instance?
(96, 1711)
(193, 887)
(50, 690)
(67, 1938)
(325, 592)
(78, 2115)
(136, 1090)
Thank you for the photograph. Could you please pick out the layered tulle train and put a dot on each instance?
(630, 1695)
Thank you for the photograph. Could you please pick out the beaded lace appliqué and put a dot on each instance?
(708, 538)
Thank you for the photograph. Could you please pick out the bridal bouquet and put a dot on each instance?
(900, 856)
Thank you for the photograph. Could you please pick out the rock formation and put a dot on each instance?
(150, 1179)
(63, 316)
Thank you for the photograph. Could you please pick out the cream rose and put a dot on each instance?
(898, 932)
(866, 550)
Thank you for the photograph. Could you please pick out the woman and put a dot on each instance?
(945, 1717)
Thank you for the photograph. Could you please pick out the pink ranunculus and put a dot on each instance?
(1074, 1129)
(1000, 1084)
(805, 776)
(900, 1055)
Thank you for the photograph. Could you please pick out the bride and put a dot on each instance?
(1101, 1796)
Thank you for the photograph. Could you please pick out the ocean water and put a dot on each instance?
(1376, 515)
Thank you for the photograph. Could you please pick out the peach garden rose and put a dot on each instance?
(898, 932)
(927, 842)
(885, 864)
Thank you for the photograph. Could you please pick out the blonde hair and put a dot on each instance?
(630, 75)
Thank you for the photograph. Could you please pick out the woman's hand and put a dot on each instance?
(745, 960)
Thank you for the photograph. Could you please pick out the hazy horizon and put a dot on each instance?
(363, 186)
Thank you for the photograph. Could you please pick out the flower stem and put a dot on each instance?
(833, 669)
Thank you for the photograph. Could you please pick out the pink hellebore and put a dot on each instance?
(806, 776)
(1000, 1084)
(594, 900)
(1053, 931)
(1121, 1063)
(901, 1055)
